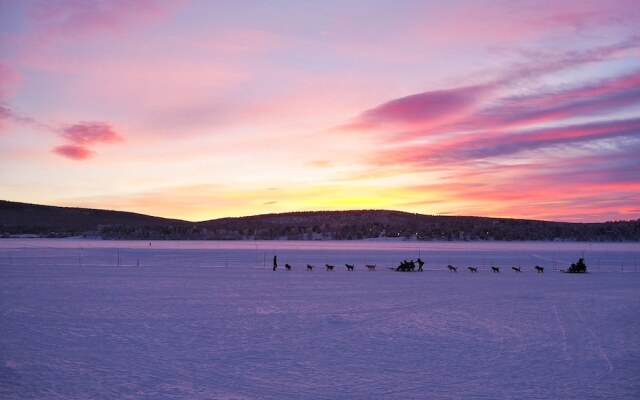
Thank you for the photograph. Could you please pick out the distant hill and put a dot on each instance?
(347, 225)
(49, 221)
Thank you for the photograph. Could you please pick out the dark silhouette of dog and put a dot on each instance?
(288, 267)
(495, 269)
(517, 269)
(539, 269)
(420, 264)
(309, 267)
(452, 268)
(371, 267)
(350, 267)
(329, 267)
(473, 269)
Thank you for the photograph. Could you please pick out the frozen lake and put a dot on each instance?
(259, 254)
(201, 320)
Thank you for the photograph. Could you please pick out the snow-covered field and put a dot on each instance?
(206, 320)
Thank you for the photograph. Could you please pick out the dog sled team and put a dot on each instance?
(410, 266)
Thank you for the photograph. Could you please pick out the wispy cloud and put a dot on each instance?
(591, 99)
(473, 148)
(539, 63)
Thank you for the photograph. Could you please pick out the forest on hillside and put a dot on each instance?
(353, 226)
(20, 219)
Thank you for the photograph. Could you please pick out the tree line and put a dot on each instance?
(45, 221)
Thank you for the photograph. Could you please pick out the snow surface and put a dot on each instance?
(203, 320)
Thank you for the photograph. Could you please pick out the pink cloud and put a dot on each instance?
(426, 110)
(84, 133)
(74, 152)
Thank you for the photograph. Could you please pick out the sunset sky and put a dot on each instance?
(205, 109)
